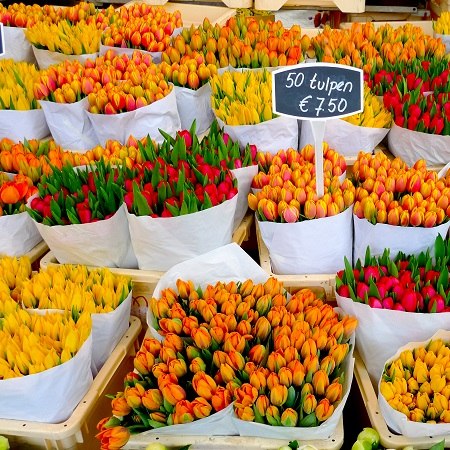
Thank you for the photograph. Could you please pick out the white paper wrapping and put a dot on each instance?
(311, 246)
(18, 234)
(69, 125)
(276, 134)
(381, 332)
(20, 125)
(103, 243)
(49, 396)
(397, 421)
(244, 177)
(16, 45)
(324, 431)
(107, 331)
(227, 263)
(162, 114)
(195, 105)
(445, 39)
(414, 145)
(46, 58)
(156, 56)
(160, 243)
(344, 137)
(410, 240)
(218, 424)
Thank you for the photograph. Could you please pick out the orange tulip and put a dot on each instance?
(204, 385)
(113, 438)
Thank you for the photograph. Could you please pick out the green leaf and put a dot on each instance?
(308, 421)
(290, 398)
(294, 445)
(443, 279)
(439, 446)
(72, 216)
(140, 203)
(173, 209)
(439, 247)
(373, 290)
(348, 272)
(258, 417)
(56, 212)
(155, 424)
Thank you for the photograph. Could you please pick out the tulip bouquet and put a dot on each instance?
(373, 49)
(287, 186)
(22, 16)
(73, 205)
(69, 196)
(71, 82)
(242, 43)
(175, 195)
(244, 338)
(77, 290)
(78, 39)
(142, 27)
(288, 197)
(242, 98)
(414, 391)
(127, 97)
(34, 344)
(388, 195)
(35, 158)
(38, 343)
(413, 284)
(242, 103)
(19, 116)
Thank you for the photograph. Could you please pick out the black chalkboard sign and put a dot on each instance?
(317, 91)
(2, 40)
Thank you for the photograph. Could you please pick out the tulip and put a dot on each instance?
(221, 398)
(273, 415)
(278, 395)
(320, 382)
(201, 337)
(133, 395)
(183, 413)
(113, 438)
(324, 410)
(309, 404)
(152, 399)
(245, 413)
(203, 385)
(120, 407)
(173, 393)
(201, 408)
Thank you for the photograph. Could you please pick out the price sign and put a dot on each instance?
(317, 92)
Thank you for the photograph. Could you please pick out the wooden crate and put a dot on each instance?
(293, 283)
(346, 6)
(80, 427)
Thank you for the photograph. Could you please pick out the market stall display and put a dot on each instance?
(115, 173)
